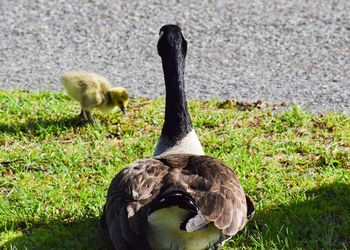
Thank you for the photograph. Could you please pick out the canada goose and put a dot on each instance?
(175, 200)
(94, 91)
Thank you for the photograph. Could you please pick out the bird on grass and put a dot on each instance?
(180, 198)
(94, 91)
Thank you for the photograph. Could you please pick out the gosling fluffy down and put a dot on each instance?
(94, 91)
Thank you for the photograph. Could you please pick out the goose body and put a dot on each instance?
(176, 201)
(94, 91)
(180, 198)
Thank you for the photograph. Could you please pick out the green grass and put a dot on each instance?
(54, 175)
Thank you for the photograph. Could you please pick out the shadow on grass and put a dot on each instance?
(83, 234)
(38, 126)
(319, 220)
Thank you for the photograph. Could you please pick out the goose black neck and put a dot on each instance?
(177, 122)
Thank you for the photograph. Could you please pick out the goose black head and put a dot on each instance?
(170, 40)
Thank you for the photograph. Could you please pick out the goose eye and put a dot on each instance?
(161, 33)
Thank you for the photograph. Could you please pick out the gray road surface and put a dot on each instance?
(272, 50)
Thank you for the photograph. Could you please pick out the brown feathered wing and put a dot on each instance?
(214, 187)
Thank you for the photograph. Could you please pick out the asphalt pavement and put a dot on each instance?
(270, 50)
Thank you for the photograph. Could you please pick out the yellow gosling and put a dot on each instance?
(94, 91)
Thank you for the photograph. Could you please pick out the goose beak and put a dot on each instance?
(123, 110)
